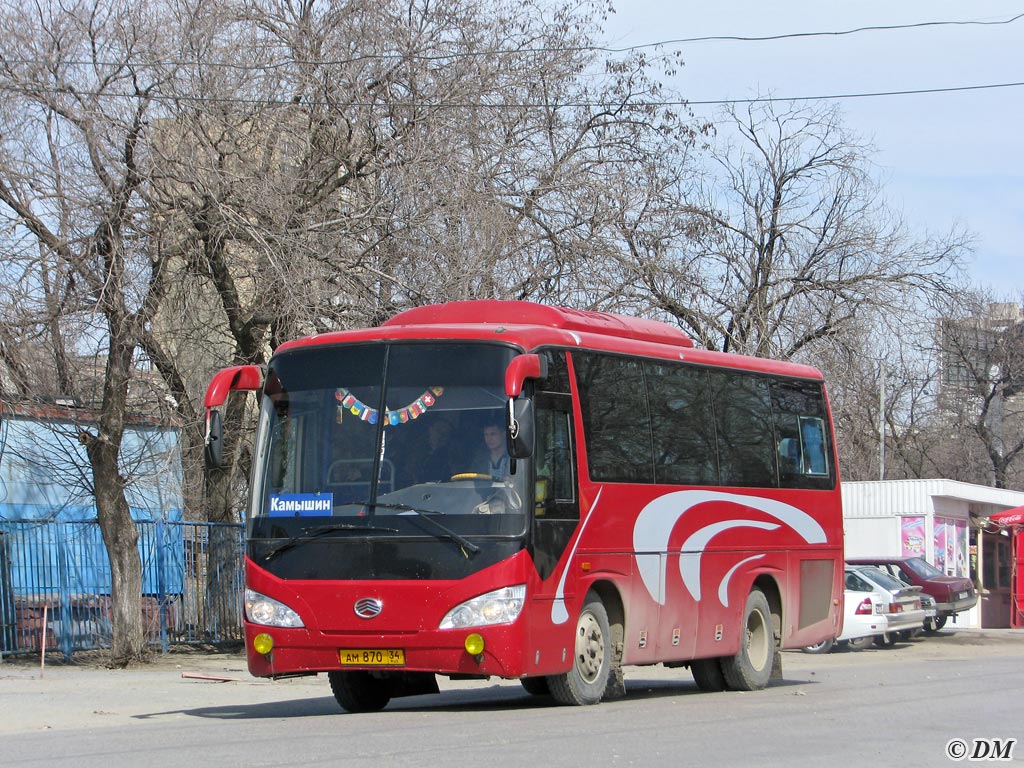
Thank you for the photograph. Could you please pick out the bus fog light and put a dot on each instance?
(263, 643)
(474, 644)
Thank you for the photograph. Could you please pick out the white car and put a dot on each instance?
(875, 608)
(930, 612)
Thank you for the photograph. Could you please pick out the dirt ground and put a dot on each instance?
(84, 693)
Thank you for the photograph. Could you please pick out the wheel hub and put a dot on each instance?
(589, 648)
(758, 642)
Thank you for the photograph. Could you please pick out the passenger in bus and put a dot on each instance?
(493, 458)
(436, 465)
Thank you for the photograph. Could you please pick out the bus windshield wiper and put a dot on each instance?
(320, 530)
(425, 514)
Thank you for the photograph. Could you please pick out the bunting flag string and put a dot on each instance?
(349, 402)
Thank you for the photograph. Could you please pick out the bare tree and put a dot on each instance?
(322, 166)
(883, 393)
(271, 168)
(317, 166)
(940, 398)
(981, 350)
(791, 245)
(78, 88)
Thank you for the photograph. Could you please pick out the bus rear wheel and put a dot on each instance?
(587, 679)
(825, 646)
(707, 673)
(359, 691)
(751, 668)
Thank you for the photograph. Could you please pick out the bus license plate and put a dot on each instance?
(372, 657)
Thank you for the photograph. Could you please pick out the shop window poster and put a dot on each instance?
(961, 548)
(913, 536)
(944, 535)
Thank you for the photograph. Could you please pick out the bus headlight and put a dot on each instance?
(502, 606)
(260, 609)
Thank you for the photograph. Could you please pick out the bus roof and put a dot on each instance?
(532, 326)
(528, 313)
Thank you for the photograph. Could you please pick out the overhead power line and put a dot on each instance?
(865, 95)
(434, 57)
(528, 105)
(796, 35)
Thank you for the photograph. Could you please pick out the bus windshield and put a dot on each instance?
(388, 440)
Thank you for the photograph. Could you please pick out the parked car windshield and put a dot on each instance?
(922, 568)
(883, 579)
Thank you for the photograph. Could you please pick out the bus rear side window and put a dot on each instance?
(647, 421)
(682, 425)
(743, 420)
(801, 435)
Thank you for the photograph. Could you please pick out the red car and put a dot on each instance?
(952, 594)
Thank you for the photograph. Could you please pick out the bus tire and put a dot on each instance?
(751, 668)
(587, 679)
(825, 646)
(707, 673)
(535, 686)
(359, 691)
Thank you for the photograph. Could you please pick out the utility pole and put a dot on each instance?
(881, 420)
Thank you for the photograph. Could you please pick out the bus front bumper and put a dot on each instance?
(445, 652)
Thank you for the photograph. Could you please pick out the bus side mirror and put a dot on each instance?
(213, 451)
(521, 368)
(238, 378)
(520, 427)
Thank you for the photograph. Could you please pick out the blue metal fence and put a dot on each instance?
(55, 584)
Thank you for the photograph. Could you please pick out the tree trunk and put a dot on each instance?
(120, 534)
(121, 537)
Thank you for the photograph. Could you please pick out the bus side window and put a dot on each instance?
(557, 510)
(682, 426)
(555, 457)
(743, 420)
(616, 422)
(801, 435)
(789, 456)
(812, 435)
(554, 477)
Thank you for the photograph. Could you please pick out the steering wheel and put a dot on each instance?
(513, 498)
(471, 476)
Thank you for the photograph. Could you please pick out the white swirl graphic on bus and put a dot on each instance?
(723, 588)
(559, 613)
(655, 523)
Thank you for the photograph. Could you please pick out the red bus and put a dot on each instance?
(497, 488)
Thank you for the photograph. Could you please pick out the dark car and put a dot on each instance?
(952, 594)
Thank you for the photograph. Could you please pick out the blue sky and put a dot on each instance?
(943, 159)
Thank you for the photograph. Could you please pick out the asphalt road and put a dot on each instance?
(900, 706)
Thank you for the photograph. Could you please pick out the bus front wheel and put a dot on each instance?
(587, 679)
(536, 686)
(359, 691)
(751, 668)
